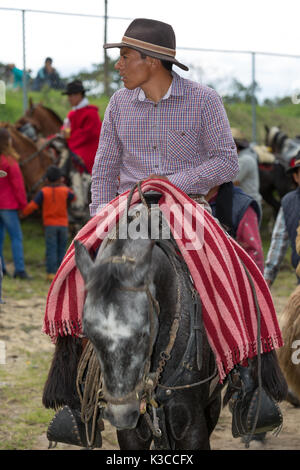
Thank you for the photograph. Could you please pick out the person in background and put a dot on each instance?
(53, 198)
(12, 199)
(47, 75)
(248, 176)
(285, 229)
(82, 125)
(17, 76)
(240, 216)
(2, 175)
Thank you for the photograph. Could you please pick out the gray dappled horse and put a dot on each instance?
(125, 284)
(142, 316)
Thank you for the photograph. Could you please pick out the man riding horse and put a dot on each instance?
(161, 125)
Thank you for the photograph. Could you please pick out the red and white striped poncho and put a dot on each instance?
(229, 312)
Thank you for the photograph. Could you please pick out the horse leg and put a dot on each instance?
(186, 426)
(212, 413)
(139, 438)
(266, 188)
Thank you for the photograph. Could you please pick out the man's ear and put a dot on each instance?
(153, 62)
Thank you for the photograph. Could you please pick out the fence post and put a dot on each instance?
(106, 71)
(25, 100)
(253, 100)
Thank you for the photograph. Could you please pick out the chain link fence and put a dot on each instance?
(277, 75)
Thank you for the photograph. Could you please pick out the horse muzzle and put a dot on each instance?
(122, 416)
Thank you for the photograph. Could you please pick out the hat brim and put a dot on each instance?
(73, 92)
(156, 55)
(291, 170)
(242, 143)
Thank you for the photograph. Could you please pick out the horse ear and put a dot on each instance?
(83, 260)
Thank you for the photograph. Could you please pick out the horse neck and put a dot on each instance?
(174, 297)
(47, 121)
(23, 145)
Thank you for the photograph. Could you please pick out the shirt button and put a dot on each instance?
(154, 147)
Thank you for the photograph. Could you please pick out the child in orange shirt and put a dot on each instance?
(53, 199)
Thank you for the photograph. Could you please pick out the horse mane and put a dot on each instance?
(53, 113)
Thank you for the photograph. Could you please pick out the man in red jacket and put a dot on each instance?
(82, 125)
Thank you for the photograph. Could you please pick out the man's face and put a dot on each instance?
(134, 71)
(75, 98)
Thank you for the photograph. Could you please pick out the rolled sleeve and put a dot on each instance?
(279, 245)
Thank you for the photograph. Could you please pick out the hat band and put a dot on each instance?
(148, 46)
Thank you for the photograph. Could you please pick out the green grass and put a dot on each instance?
(287, 117)
(22, 416)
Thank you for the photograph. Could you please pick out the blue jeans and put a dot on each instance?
(56, 246)
(9, 220)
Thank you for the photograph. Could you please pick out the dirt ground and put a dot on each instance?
(20, 328)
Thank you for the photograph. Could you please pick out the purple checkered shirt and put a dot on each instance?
(186, 136)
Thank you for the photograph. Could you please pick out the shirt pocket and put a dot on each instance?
(182, 144)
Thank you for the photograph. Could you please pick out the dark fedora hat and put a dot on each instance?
(74, 87)
(151, 37)
(295, 164)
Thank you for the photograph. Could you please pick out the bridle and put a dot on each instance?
(146, 386)
(139, 389)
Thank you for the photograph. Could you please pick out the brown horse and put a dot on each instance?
(44, 121)
(33, 161)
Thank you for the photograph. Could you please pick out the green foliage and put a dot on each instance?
(97, 76)
(240, 93)
(13, 109)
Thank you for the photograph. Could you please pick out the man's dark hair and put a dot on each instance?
(165, 63)
(48, 59)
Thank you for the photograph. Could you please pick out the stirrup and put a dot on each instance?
(244, 408)
(67, 427)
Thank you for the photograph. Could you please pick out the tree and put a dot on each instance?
(94, 79)
(240, 93)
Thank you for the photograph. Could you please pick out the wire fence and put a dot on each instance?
(212, 66)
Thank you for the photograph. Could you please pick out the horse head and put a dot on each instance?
(275, 139)
(120, 319)
(44, 120)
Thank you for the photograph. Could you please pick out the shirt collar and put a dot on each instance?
(176, 89)
(84, 102)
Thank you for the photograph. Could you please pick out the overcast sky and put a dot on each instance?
(75, 43)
